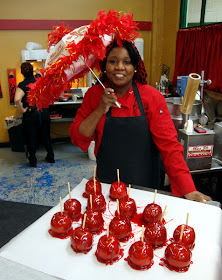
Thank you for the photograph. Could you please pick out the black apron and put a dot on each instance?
(127, 145)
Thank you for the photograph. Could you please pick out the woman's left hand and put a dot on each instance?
(197, 196)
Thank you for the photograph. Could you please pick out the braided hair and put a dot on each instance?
(140, 74)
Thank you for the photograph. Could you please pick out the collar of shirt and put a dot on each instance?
(128, 99)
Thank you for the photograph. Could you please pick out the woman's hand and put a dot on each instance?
(197, 196)
(108, 100)
(24, 109)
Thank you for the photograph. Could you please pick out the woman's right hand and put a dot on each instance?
(88, 125)
(108, 99)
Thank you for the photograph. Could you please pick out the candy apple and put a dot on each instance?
(81, 240)
(61, 223)
(177, 256)
(127, 207)
(155, 234)
(140, 255)
(108, 249)
(73, 208)
(152, 213)
(118, 190)
(94, 221)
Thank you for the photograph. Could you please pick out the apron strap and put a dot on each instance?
(138, 98)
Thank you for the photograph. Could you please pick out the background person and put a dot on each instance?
(131, 138)
(35, 123)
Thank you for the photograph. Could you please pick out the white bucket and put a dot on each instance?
(91, 151)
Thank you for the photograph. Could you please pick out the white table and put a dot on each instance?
(46, 257)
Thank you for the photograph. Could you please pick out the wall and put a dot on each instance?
(12, 41)
(171, 25)
(165, 25)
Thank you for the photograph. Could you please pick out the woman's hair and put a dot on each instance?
(140, 74)
(27, 69)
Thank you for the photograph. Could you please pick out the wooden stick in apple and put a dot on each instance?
(91, 206)
(94, 184)
(61, 204)
(129, 191)
(187, 219)
(107, 231)
(118, 179)
(95, 172)
(84, 221)
(181, 233)
(142, 234)
(118, 212)
(155, 196)
(69, 190)
(163, 213)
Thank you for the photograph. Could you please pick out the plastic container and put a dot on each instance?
(91, 151)
(15, 131)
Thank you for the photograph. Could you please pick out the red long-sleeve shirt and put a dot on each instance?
(160, 124)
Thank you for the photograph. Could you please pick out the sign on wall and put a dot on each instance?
(0, 91)
(11, 84)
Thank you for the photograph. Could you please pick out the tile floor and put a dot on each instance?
(44, 184)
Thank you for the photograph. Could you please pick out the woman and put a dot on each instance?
(131, 138)
(34, 122)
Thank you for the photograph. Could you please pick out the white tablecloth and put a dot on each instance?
(36, 249)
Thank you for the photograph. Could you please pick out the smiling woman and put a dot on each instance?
(131, 138)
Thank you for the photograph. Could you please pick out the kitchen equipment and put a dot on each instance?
(174, 106)
(74, 97)
(181, 84)
(198, 148)
(203, 120)
(217, 154)
(34, 55)
(190, 93)
(64, 97)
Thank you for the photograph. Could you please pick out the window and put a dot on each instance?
(195, 13)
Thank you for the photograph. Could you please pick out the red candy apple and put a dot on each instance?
(73, 208)
(81, 240)
(94, 221)
(117, 190)
(127, 207)
(188, 236)
(120, 228)
(108, 249)
(89, 189)
(155, 234)
(98, 203)
(140, 255)
(152, 213)
(61, 223)
(177, 256)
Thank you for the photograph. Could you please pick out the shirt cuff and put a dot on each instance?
(182, 185)
(85, 141)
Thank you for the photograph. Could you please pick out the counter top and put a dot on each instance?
(67, 102)
(216, 166)
(48, 256)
